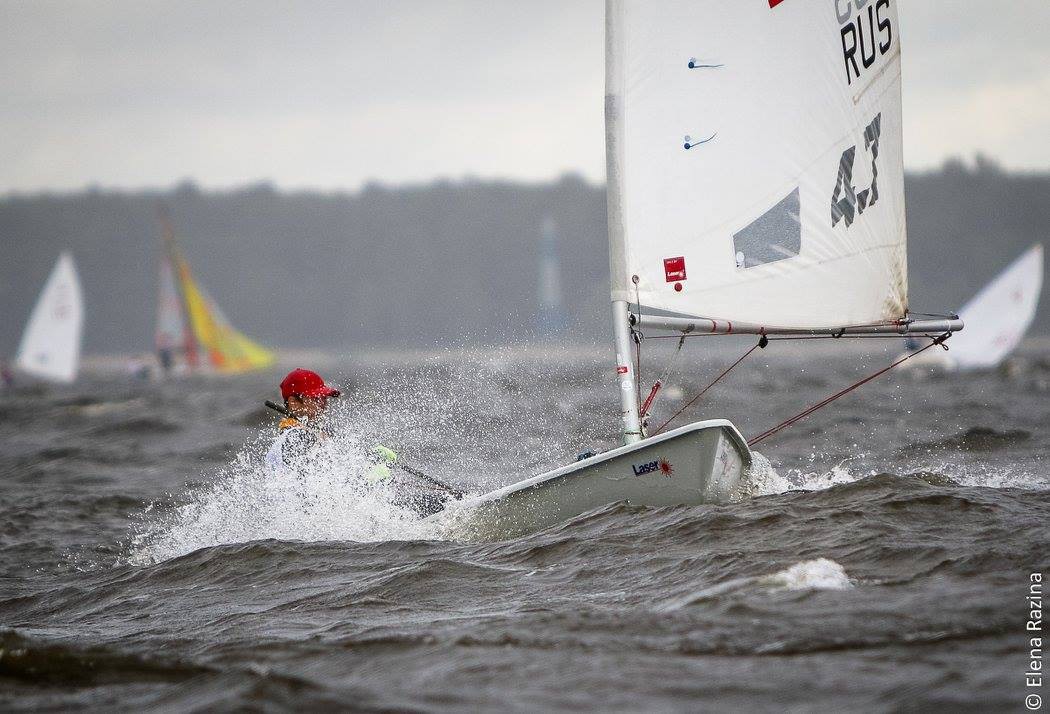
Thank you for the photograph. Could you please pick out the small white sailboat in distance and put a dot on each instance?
(998, 317)
(50, 346)
(781, 212)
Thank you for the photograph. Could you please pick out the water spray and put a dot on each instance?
(451, 490)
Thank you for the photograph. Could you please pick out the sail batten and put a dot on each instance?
(789, 208)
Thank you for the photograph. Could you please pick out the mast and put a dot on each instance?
(631, 426)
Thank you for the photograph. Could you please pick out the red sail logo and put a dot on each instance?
(674, 269)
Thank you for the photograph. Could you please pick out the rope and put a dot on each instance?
(761, 343)
(664, 376)
(637, 368)
(637, 347)
(672, 361)
(809, 410)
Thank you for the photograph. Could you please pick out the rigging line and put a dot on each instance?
(637, 335)
(935, 314)
(823, 403)
(760, 343)
(651, 399)
(638, 368)
(672, 361)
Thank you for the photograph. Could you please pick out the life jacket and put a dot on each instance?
(295, 439)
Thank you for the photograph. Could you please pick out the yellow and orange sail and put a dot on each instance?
(206, 334)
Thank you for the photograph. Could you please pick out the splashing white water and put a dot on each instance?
(452, 413)
(327, 499)
(819, 574)
(762, 479)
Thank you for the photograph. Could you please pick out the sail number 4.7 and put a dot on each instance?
(846, 201)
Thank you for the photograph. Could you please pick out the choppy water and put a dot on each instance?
(147, 561)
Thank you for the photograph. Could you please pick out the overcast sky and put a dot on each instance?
(331, 95)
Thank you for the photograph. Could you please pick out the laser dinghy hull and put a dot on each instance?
(703, 462)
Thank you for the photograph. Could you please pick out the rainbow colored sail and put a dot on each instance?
(190, 321)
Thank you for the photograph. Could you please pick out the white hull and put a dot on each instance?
(702, 462)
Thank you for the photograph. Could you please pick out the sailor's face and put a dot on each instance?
(309, 407)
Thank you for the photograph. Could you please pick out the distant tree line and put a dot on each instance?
(445, 262)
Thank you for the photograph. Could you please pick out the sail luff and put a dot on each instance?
(614, 158)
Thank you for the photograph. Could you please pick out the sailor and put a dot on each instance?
(305, 426)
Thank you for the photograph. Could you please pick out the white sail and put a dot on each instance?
(171, 324)
(999, 315)
(787, 209)
(50, 347)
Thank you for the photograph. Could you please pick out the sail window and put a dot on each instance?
(773, 236)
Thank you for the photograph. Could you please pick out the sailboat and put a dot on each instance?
(191, 330)
(998, 315)
(50, 346)
(780, 213)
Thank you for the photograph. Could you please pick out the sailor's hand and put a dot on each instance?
(383, 454)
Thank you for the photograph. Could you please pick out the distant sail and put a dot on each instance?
(50, 347)
(172, 334)
(755, 160)
(227, 350)
(999, 315)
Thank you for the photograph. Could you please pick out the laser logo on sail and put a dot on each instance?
(674, 269)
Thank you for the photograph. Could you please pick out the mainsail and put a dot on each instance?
(50, 346)
(188, 319)
(754, 160)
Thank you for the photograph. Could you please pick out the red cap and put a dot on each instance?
(306, 384)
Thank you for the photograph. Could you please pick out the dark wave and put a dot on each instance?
(47, 663)
(978, 438)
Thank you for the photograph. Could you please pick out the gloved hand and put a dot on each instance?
(382, 454)
(382, 459)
